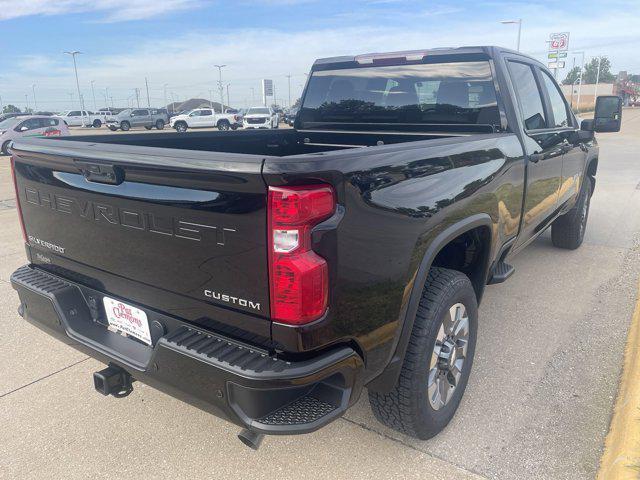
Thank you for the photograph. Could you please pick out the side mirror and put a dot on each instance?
(24, 129)
(608, 114)
(133, 115)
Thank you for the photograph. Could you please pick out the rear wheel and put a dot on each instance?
(125, 126)
(113, 129)
(160, 124)
(147, 127)
(97, 123)
(5, 147)
(224, 125)
(568, 230)
(438, 359)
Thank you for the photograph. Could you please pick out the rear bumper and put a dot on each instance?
(234, 381)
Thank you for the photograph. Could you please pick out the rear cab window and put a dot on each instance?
(424, 95)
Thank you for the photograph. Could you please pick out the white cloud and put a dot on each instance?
(112, 10)
(185, 61)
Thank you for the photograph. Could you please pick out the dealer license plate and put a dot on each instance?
(127, 319)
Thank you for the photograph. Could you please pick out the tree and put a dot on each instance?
(10, 109)
(572, 76)
(591, 71)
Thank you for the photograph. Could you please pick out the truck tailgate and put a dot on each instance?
(182, 224)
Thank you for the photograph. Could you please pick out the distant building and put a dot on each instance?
(587, 94)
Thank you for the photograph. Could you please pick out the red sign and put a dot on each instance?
(559, 41)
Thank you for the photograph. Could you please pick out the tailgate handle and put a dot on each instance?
(100, 172)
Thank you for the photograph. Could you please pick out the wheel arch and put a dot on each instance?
(591, 170)
(385, 381)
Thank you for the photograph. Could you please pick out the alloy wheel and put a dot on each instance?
(448, 356)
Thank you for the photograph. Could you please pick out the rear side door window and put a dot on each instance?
(558, 105)
(30, 124)
(529, 97)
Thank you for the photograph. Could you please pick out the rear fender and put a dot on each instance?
(384, 382)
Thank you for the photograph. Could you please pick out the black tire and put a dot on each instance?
(5, 147)
(97, 123)
(160, 124)
(113, 129)
(147, 127)
(234, 127)
(224, 125)
(125, 126)
(407, 407)
(180, 127)
(568, 230)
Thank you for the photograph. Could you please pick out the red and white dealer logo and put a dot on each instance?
(121, 311)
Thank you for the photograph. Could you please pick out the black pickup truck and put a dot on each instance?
(268, 277)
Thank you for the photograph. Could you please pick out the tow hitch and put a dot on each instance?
(113, 380)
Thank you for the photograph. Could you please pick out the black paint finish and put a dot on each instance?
(189, 215)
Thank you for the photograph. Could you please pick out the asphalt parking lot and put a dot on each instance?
(537, 406)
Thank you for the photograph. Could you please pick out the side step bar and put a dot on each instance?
(501, 272)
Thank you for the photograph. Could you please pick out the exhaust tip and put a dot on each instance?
(251, 439)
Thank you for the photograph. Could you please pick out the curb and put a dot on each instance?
(621, 457)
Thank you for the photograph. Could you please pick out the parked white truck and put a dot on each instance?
(205, 117)
(83, 118)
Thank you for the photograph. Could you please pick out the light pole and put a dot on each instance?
(580, 78)
(75, 68)
(166, 105)
(93, 93)
(148, 98)
(35, 103)
(519, 22)
(26, 101)
(220, 87)
(211, 100)
(253, 95)
(595, 91)
(228, 101)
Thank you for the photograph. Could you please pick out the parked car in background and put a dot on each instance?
(100, 118)
(5, 116)
(290, 116)
(204, 118)
(137, 117)
(238, 115)
(260, 117)
(30, 126)
(80, 118)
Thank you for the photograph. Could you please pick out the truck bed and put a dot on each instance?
(279, 143)
(183, 229)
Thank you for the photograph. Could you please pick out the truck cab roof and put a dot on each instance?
(410, 56)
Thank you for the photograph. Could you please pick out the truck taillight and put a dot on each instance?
(299, 277)
(15, 186)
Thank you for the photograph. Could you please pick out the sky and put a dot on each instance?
(177, 42)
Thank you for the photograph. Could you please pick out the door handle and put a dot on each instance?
(536, 157)
(565, 146)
